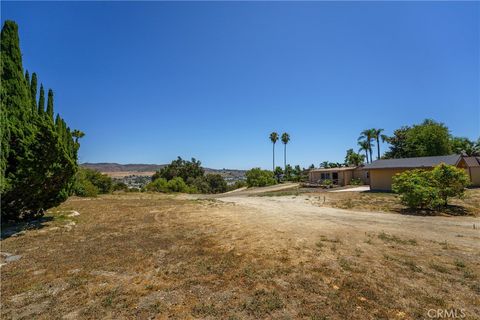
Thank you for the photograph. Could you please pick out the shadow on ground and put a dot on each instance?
(19, 228)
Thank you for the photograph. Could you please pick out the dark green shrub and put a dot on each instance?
(86, 178)
(356, 182)
(177, 185)
(119, 186)
(159, 185)
(237, 185)
(216, 183)
(257, 177)
(85, 189)
(416, 189)
(450, 181)
(430, 189)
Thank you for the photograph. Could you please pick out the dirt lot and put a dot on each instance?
(152, 256)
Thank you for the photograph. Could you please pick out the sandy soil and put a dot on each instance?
(300, 215)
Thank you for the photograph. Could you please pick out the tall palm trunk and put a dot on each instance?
(273, 168)
(285, 158)
(371, 157)
(378, 147)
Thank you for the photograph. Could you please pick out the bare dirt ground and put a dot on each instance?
(150, 256)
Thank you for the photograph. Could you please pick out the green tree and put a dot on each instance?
(450, 181)
(27, 78)
(37, 164)
(158, 185)
(41, 100)
(257, 177)
(278, 173)
(33, 91)
(430, 138)
(464, 145)
(430, 188)
(180, 168)
(288, 173)
(50, 104)
(377, 135)
(415, 189)
(273, 139)
(368, 136)
(353, 159)
(216, 183)
(285, 140)
(364, 146)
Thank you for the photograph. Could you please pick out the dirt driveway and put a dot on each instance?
(300, 215)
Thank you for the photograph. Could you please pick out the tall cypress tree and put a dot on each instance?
(33, 91)
(27, 77)
(37, 164)
(41, 100)
(50, 104)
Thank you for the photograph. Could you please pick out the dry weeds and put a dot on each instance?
(155, 257)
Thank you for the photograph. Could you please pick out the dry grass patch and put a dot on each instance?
(148, 256)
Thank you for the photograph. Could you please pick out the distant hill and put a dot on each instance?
(132, 169)
(116, 167)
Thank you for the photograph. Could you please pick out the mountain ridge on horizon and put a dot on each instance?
(140, 167)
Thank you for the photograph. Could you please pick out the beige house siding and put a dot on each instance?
(475, 176)
(360, 173)
(315, 176)
(381, 179)
(345, 175)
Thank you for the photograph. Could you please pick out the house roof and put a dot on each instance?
(472, 161)
(333, 169)
(420, 162)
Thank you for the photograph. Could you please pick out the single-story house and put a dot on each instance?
(381, 172)
(340, 176)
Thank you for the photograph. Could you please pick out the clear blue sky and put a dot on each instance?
(152, 80)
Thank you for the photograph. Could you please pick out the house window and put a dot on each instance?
(324, 176)
(335, 176)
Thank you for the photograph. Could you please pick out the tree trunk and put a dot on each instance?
(285, 159)
(378, 148)
(273, 170)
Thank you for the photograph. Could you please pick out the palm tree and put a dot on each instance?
(285, 140)
(364, 146)
(77, 134)
(378, 135)
(274, 139)
(368, 136)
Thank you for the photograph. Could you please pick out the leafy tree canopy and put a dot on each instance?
(430, 138)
